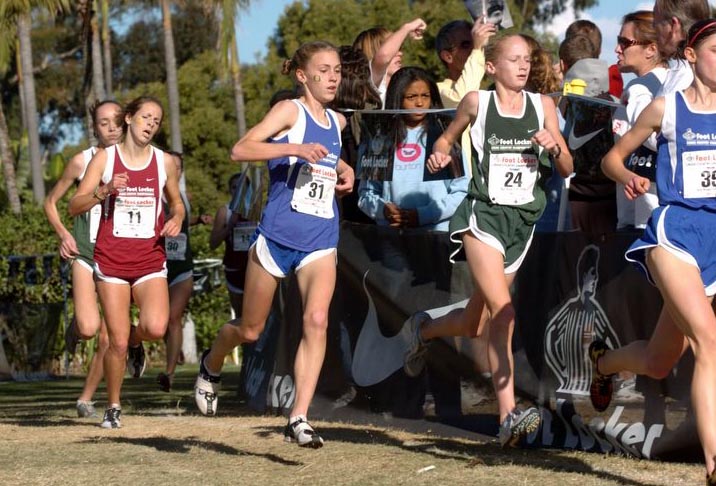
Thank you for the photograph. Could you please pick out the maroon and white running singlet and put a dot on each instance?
(128, 243)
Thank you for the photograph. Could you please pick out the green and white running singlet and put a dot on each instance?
(84, 228)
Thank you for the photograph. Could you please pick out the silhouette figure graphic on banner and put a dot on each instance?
(573, 328)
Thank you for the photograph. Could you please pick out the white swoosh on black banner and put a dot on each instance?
(376, 357)
(576, 142)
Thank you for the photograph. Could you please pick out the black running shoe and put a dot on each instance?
(112, 419)
(136, 360)
(602, 387)
(165, 382)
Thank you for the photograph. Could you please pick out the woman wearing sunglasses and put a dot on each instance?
(638, 53)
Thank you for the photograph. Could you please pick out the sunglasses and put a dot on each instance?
(626, 43)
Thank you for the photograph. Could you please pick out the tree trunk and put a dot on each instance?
(107, 51)
(8, 164)
(97, 74)
(24, 24)
(172, 83)
(238, 89)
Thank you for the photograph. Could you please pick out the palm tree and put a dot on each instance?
(230, 53)
(7, 41)
(106, 47)
(172, 83)
(20, 12)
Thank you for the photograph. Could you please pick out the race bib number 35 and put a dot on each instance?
(134, 217)
(314, 191)
(699, 173)
(512, 178)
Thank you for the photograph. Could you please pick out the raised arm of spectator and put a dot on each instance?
(390, 48)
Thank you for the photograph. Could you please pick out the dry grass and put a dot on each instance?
(165, 441)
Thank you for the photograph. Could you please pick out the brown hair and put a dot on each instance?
(303, 55)
(542, 78)
(687, 11)
(575, 48)
(588, 29)
(494, 46)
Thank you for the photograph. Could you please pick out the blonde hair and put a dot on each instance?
(370, 40)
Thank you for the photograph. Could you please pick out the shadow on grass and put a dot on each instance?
(472, 454)
(184, 445)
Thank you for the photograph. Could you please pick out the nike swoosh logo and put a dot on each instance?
(376, 357)
(576, 142)
(150, 179)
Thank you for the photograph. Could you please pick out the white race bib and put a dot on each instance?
(314, 190)
(175, 247)
(242, 234)
(94, 216)
(512, 178)
(699, 173)
(134, 217)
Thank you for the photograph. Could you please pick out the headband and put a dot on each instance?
(693, 38)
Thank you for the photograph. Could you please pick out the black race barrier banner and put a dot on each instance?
(569, 291)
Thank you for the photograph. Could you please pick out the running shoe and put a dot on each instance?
(414, 360)
(301, 432)
(71, 337)
(518, 424)
(85, 409)
(112, 419)
(206, 389)
(602, 387)
(136, 360)
(165, 382)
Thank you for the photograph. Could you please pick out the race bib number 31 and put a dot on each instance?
(699, 173)
(314, 191)
(134, 217)
(512, 178)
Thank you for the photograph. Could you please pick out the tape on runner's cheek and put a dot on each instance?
(316, 78)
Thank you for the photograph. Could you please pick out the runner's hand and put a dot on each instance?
(437, 161)
(68, 247)
(345, 182)
(311, 152)
(636, 187)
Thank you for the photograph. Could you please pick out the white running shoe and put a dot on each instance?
(206, 389)
(301, 432)
(414, 360)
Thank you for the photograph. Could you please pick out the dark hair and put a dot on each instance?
(443, 41)
(700, 31)
(303, 55)
(135, 105)
(98, 104)
(356, 89)
(575, 48)
(590, 30)
(399, 83)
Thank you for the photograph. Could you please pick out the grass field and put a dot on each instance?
(164, 440)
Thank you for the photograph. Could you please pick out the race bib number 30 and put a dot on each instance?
(176, 247)
(314, 191)
(512, 178)
(134, 217)
(699, 173)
